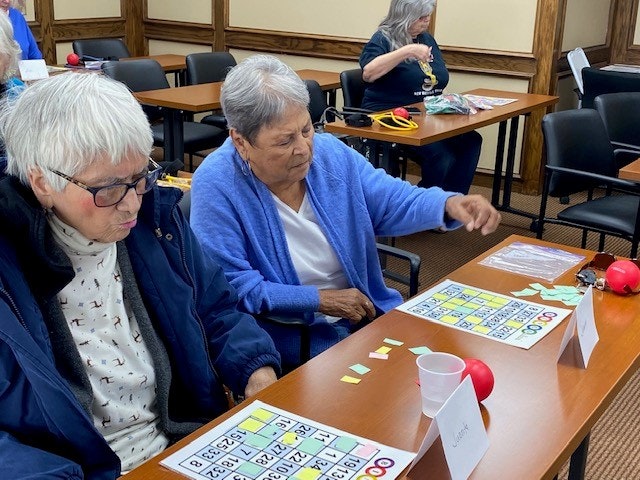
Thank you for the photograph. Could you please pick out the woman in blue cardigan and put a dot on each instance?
(292, 217)
(21, 31)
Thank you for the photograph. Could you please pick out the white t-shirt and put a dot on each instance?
(314, 259)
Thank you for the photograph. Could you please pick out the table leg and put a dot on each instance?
(578, 462)
(505, 204)
(497, 172)
(511, 160)
(173, 136)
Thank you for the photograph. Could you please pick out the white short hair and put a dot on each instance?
(69, 121)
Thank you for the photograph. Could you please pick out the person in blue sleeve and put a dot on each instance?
(292, 217)
(402, 64)
(21, 31)
(117, 334)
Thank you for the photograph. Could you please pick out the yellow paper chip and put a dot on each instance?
(349, 379)
(383, 350)
(289, 438)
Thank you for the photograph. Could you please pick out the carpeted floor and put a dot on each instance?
(614, 450)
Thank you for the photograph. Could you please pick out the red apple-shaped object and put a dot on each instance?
(623, 276)
(73, 59)
(481, 375)
(401, 112)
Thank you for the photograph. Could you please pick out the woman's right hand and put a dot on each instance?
(349, 303)
(417, 51)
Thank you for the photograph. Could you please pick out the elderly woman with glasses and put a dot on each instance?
(292, 216)
(117, 335)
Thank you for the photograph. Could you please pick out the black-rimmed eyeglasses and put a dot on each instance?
(110, 195)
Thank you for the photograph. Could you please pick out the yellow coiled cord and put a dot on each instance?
(401, 123)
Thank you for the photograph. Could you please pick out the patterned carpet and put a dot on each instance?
(614, 450)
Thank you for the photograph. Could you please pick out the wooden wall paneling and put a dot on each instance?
(324, 46)
(42, 31)
(220, 22)
(512, 64)
(178, 31)
(545, 50)
(132, 12)
(623, 27)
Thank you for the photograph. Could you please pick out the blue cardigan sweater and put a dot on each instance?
(24, 37)
(236, 220)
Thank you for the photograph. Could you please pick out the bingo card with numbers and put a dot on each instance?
(261, 442)
(492, 315)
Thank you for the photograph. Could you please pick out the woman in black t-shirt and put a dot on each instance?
(402, 64)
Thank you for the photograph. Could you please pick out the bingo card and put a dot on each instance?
(261, 442)
(489, 314)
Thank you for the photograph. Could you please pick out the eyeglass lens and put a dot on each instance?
(112, 194)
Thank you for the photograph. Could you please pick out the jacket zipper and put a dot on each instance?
(14, 309)
(183, 256)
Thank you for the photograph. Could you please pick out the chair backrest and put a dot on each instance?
(138, 75)
(208, 67)
(317, 100)
(101, 48)
(353, 87)
(577, 61)
(598, 82)
(576, 139)
(620, 113)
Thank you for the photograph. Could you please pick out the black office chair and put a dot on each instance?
(353, 88)
(581, 158)
(100, 49)
(209, 67)
(597, 82)
(620, 113)
(147, 74)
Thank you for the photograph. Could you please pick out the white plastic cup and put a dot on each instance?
(440, 373)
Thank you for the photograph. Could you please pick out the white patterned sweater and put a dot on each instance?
(111, 347)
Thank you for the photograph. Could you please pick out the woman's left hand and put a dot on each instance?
(474, 211)
(261, 378)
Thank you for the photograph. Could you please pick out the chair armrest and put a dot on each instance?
(628, 185)
(625, 147)
(294, 322)
(414, 266)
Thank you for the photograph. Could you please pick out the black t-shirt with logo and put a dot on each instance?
(406, 83)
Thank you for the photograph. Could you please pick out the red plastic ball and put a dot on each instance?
(623, 276)
(401, 112)
(73, 59)
(481, 376)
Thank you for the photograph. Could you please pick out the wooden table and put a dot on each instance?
(631, 171)
(432, 128)
(202, 98)
(328, 81)
(170, 62)
(537, 415)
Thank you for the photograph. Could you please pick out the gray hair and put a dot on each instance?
(402, 13)
(69, 121)
(9, 48)
(257, 91)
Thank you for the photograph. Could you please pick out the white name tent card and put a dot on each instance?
(459, 424)
(32, 70)
(584, 321)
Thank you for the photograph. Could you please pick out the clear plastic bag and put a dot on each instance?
(448, 103)
(536, 261)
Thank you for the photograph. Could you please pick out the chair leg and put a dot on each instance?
(584, 238)
(634, 249)
(601, 243)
